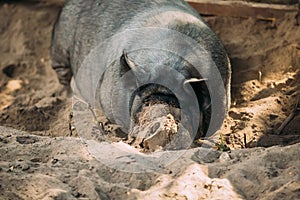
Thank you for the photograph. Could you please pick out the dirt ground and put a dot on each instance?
(265, 59)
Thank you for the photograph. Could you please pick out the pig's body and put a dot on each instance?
(84, 24)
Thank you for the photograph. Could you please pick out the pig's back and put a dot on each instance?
(91, 22)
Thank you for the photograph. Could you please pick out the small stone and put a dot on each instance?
(72, 128)
(241, 125)
(206, 156)
(54, 161)
(224, 157)
(3, 140)
(35, 160)
(10, 169)
(272, 116)
(26, 139)
(25, 167)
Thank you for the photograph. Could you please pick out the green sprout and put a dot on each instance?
(222, 146)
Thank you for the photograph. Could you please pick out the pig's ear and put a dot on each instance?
(126, 64)
(201, 91)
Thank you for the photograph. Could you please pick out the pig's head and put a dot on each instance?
(169, 93)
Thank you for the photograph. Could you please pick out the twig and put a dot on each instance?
(288, 119)
(262, 11)
(245, 140)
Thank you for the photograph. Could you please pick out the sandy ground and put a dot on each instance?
(35, 167)
(38, 161)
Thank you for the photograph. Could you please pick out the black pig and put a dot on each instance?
(153, 42)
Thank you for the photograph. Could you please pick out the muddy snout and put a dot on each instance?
(158, 127)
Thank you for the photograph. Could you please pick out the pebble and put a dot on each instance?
(206, 155)
(54, 161)
(25, 167)
(272, 116)
(26, 139)
(224, 157)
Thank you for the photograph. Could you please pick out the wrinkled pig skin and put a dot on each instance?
(84, 24)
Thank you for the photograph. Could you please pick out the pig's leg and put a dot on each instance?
(60, 54)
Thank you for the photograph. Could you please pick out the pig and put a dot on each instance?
(145, 54)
